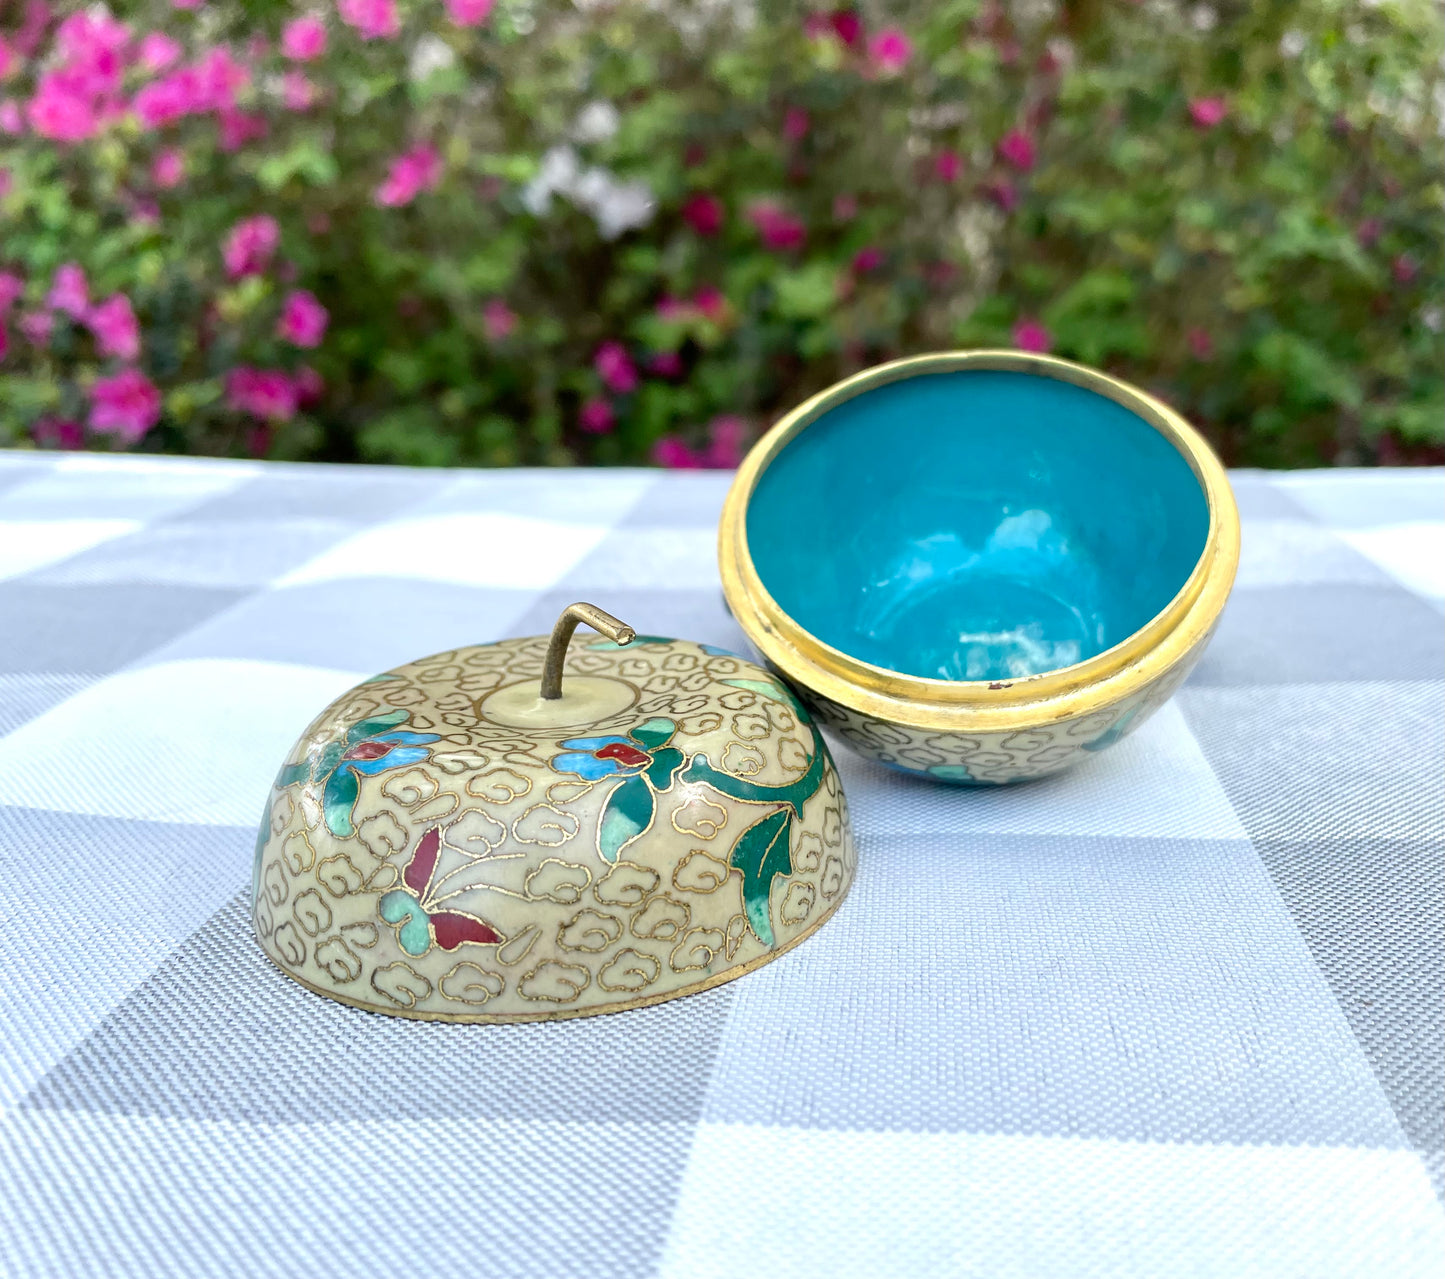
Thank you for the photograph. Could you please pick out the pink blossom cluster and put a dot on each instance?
(418, 170)
(779, 229)
(727, 436)
(886, 51)
(81, 93)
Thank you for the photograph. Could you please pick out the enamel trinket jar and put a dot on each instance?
(980, 567)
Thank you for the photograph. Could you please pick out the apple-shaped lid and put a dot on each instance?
(536, 829)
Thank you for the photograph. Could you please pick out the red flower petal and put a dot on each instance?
(629, 756)
(423, 861)
(451, 929)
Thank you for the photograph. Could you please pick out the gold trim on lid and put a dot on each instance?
(978, 706)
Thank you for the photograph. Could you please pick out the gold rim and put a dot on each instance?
(1001, 706)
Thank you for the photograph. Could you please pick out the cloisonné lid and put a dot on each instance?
(526, 830)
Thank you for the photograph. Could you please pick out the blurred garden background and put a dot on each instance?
(539, 232)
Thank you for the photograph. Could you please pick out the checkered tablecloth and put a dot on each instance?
(1178, 1012)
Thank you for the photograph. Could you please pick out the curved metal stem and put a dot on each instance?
(619, 632)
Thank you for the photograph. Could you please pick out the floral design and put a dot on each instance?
(593, 758)
(373, 746)
(412, 910)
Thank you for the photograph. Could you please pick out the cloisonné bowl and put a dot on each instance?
(980, 567)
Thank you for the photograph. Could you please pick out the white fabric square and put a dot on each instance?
(26, 545)
(93, 486)
(1413, 554)
(488, 548)
(787, 1202)
(191, 741)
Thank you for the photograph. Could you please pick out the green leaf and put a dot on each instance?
(626, 814)
(654, 733)
(808, 293)
(762, 852)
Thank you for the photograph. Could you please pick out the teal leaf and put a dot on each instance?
(763, 851)
(290, 774)
(664, 766)
(400, 907)
(370, 727)
(654, 733)
(628, 812)
(795, 794)
(337, 800)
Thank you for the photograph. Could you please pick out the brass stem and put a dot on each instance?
(619, 632)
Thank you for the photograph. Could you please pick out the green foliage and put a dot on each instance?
(1276, 274)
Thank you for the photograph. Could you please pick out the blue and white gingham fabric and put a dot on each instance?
(1178, 1012)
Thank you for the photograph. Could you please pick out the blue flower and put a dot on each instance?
(370, 747)
(594, 758)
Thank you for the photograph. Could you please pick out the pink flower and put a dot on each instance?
(948, 166)
(845, 208)
(303, 319)
(1017, 149)
(58, 433)
(778, 228)
(890, 50)
(37, 326)
(1404, 268)
(867, 259)
(168, 99)
(1206, 112)
(187, 5)
(239, 128)
(375, 19)
(795, 124)
(297, 92)
(69, 291)
(1368, 232)
(1030, 335)
(710, 301)
(114, 324)
(250, 246)
(220, 78)
(4, 341)
(666, 364)
(93, 48)
(727, 435)
(596, 417)
(499, 320)
(847, 26)
(126, 404)
(12, 287)
(1201, 345)
(59, 113)
(703, 213)
(614, 366)
(468, 13)
(303, 39)
(168, 169)
(157, 51)
(676, 454)
(12, 119)
(267, 394)
(418, 170)
(9, 59)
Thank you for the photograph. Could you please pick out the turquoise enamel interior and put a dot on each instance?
(976, 525)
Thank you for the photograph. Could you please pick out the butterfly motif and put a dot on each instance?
(417, 928)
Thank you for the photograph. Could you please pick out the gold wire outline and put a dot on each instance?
(567, 1014)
